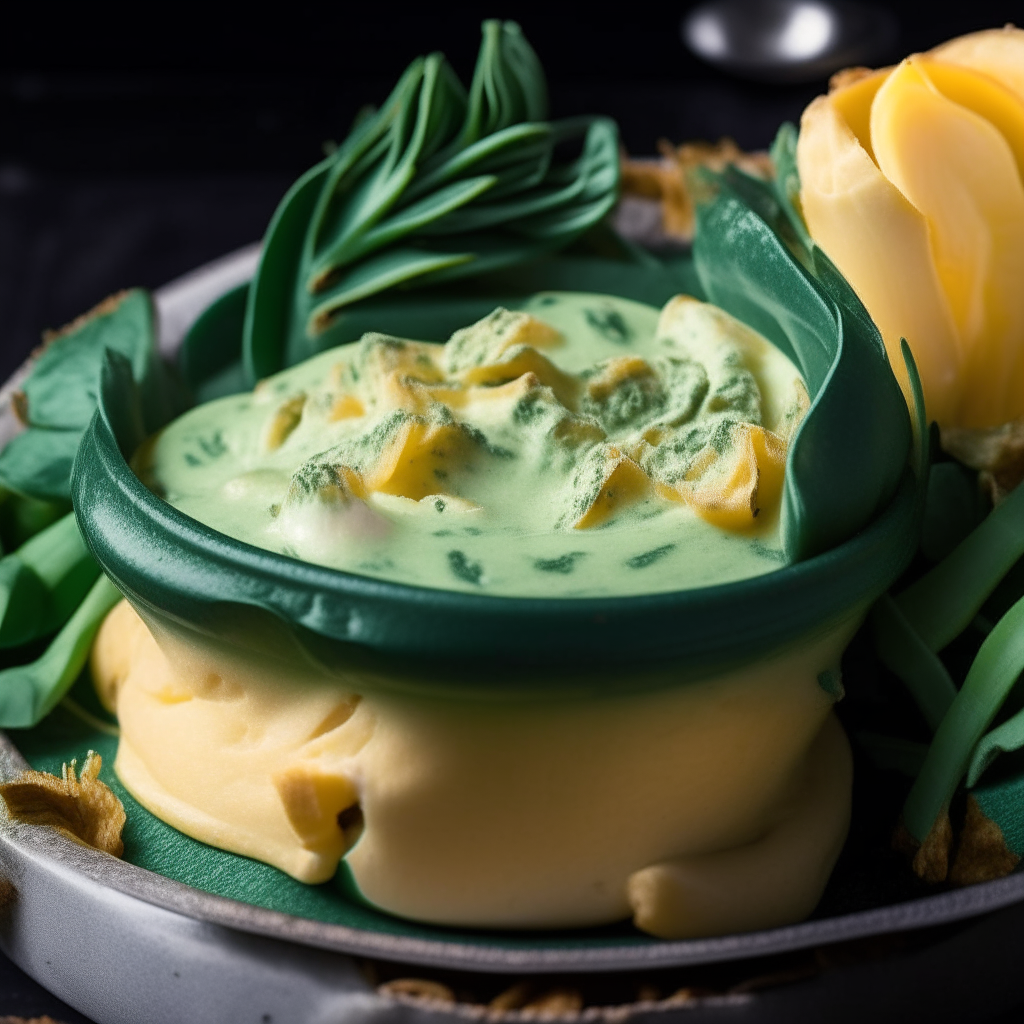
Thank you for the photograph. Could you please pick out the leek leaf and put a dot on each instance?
(43, 582)
(992, 675)
(438, 185)
(29, 692)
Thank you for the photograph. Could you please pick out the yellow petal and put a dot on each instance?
(853, 104)
(998, 52)
(880, 243)
(983, 94)
(958, 170)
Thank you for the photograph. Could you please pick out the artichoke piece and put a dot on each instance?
(731, 485)
(421, 457)
(284, 421)
(933, 148)
(625, 393)
(607, 482)
(488, 340)
(998, 52)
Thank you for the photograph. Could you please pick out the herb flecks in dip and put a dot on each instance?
(582, 445)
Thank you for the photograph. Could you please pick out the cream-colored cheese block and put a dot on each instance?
(701, 807)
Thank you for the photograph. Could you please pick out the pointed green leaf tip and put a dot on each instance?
(438, 185)
(51, 584)
(60, 394)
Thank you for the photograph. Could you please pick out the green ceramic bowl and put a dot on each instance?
(697, 708)
(168, 562)
(178, 568)
(849, 505)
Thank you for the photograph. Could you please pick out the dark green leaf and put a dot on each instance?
(993, 674)
(412, 197)
(61, 391)
(852, 448)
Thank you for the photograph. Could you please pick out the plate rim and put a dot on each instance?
(104, 871)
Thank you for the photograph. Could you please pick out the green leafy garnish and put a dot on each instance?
(28, 693)
(49, 583)
(438, 185)
(43, 582)
(59, 397)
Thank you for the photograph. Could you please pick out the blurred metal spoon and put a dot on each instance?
(787, 40)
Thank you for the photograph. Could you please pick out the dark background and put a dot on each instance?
(133, 150)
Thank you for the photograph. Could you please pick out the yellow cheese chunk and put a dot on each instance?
(616, 372)
(730, 489)
(517, 361)
(490, 339)
(624, 483)
(698, 808)
(283, 422)
(419, 458)
(345, 407)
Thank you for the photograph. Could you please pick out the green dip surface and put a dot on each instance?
(582, 446)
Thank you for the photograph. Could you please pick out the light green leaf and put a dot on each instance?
(991, 677)
(29, 692)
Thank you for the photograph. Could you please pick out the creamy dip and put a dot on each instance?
(582, 445)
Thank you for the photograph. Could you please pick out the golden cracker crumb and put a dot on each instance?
(80, 807)
(418, 988)
(982, 853)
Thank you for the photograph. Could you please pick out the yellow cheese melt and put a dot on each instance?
(709, 807)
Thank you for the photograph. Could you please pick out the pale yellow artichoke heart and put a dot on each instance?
(959, 171)
(997, 51)
(881, 244)
(984, 95)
